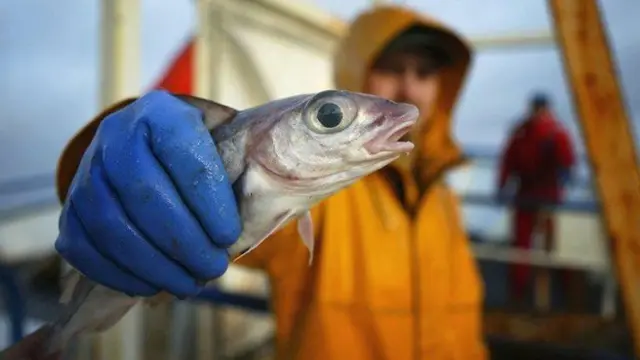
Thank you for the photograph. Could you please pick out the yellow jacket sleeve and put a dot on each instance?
(283, 244)
(279, 249)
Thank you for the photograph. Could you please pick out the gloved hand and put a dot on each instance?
(150, 207)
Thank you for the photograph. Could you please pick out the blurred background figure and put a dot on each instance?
(534, 168)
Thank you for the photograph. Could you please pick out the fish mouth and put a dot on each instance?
(395, 139)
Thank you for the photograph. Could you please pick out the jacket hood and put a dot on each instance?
(369, 34)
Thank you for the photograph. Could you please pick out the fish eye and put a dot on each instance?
(329, 115)
(330, 111)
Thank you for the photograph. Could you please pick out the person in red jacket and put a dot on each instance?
(534, 168)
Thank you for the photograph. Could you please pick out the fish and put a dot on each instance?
(282, 158)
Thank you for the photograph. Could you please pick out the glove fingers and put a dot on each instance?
(74, 246)
(189, 156)
(118, 239)
(149, 197)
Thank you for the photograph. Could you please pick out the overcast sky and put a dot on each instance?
(49, 57)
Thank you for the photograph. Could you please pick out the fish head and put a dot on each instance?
(332, 138)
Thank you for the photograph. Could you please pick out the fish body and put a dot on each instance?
(283, 160)
(282, 157)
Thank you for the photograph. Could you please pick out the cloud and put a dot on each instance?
(51, 84)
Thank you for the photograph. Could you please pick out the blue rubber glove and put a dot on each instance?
(150, 207)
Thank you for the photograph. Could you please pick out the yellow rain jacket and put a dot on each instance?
(388, 281)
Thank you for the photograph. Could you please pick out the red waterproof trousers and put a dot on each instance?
(527, 223)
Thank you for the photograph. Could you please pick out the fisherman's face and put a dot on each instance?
(408, 77)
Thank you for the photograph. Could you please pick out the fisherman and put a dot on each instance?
(535, 167)
(392, 277)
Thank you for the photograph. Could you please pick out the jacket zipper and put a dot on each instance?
(415, 277)
(449, 210)
(413, 263)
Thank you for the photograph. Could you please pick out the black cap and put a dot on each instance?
(422, 40)
(539, 100)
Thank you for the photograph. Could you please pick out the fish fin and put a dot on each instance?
(114, 317)
(305, 229)
(277, 223)
(69, 282)
(214, 114)
(93, 308)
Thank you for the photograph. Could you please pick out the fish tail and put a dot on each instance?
(88, 308)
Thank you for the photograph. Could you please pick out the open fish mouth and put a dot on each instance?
(394, 139)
